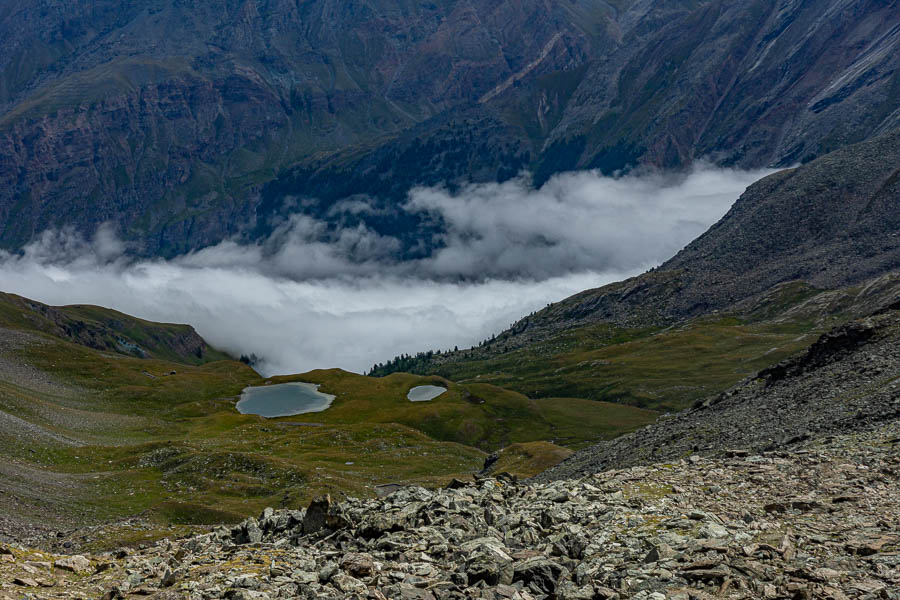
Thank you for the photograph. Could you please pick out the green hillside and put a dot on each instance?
(657, 368)
(92, 434)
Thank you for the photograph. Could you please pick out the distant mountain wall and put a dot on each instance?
(186, 122)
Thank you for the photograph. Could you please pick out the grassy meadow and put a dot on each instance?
(99, 436)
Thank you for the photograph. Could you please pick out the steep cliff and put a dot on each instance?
(164, 117)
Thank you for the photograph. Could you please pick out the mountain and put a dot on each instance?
(183, 123)
(165, 117)
(801, 251)
(846, 381)
(831, 223)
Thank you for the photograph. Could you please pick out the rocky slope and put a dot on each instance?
(823, 226)
(848, 380)
(183, 124)
(831, 223)
(816, 522)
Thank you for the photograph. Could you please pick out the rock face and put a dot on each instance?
(182, 123)
(164, 117)
(816, 522)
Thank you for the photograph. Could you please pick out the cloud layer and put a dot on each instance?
(312, 297)
(576, 222)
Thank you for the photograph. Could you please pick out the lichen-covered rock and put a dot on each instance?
(358, 564)
(74, 564)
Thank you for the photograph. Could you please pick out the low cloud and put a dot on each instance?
(311, 296)
(295, 326)
(576, 222)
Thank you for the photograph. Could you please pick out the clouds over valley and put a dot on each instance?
(312, 295)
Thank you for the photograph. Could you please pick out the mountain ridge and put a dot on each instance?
(183, 126)
(829, 225)
(108, 330)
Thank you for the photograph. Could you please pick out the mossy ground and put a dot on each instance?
(529, 458)
(475, 414)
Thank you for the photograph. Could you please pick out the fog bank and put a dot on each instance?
(312, 297)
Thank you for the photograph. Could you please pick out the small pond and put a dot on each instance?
(283, 400)
(424, 393)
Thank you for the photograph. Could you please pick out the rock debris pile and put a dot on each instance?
(821, 521)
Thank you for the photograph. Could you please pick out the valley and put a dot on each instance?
(702, 401)
(151, 447)
(676, 519)
(131, 427)
(98, 437)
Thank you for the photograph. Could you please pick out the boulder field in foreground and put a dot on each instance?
(820, 521)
